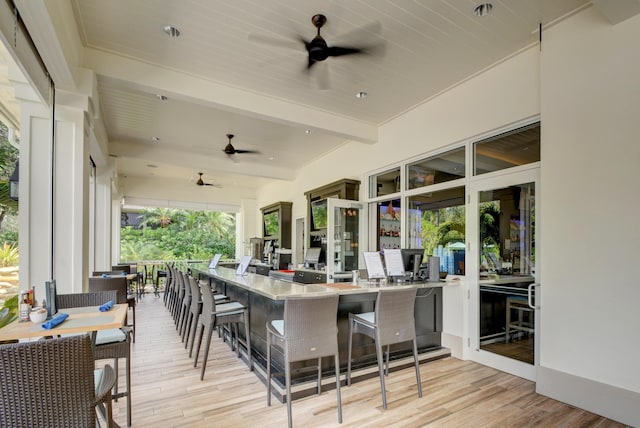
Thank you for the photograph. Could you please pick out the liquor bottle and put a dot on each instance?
(25, 307)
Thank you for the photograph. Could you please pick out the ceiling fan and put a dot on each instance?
(318, 50)
(201, 182)
(230, 150)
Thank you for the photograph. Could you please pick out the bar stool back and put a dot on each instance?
(392, 322)
(309, 331)
(185, 305)
(213, 316)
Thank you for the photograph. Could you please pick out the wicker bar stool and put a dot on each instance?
(308, 331)
(393, 321)
(217, 315)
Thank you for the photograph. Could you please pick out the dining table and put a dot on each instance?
(86, 319)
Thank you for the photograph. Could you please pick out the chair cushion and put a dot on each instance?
(233, 306)
(278, 325)
(367, 316)
(97, 378)
(110, 336)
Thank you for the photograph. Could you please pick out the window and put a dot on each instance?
(437, 169)
(388, 214)
(514, 148)
(436, 223)
(384, 183)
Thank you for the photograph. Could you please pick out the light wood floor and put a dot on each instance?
(167, 392)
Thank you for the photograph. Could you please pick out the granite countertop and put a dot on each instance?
(276, 289)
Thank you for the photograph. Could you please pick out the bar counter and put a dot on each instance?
(265, 296)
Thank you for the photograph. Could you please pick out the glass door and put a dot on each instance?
(503, 317)
(345, 224)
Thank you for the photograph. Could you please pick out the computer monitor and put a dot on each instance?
(408, 257)
(214, 261)
(313, 255)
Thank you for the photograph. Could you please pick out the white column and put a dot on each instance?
(103, 223)
(71, 206)
(35, 197)
(246, 222)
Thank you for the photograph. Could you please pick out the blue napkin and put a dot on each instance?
(53, 322)
(124, 273)
(104, 275)
(106, 306)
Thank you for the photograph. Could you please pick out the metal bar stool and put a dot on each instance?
(393, 321)
(309, 331)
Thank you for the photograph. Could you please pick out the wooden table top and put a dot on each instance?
(80, 320)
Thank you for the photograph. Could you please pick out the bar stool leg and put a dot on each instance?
(248, 339)
(319, 376)
(268, 369)
(381, 370)
(287, 371)
(415, 357)
(349, 354)
(337, 364)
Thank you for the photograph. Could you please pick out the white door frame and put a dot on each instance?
(472, 351)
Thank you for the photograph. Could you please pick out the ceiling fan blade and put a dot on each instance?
(310, 63)
(340, 51)
(240, 151)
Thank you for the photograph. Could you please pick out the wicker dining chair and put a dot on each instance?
(51, 383)
(308, 331)
(121, 285)
(110, 344)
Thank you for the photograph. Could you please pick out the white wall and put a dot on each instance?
(590, 82)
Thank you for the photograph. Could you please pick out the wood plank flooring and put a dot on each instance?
(167, 392)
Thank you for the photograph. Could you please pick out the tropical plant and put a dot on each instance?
(158, 217)
(9, 311)
(8, 255)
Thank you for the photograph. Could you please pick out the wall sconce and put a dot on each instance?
(14, 182)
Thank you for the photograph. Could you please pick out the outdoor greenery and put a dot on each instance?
(9, 311)
(169, 234)
(442, 226)
(8, 207)
(8, 230)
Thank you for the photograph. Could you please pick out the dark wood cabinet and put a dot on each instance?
(341, 189)
(276, 229)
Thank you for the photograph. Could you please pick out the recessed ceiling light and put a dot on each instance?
(272, 158)
(171, 31)
(150, 165)
(161, 97)
(307, 131)
(483, 9)
(362, 95)
(155, 139)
